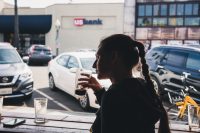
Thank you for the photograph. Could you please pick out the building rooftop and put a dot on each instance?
(45, 3)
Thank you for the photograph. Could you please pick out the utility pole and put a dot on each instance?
(57, 25)
(16, 27)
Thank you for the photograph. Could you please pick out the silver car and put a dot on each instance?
(15, 76)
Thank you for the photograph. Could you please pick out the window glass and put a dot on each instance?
(87, 63)
(154, 53)
(172, 9)
(148, 10)
(172, 21)
(180, 9)
(179, 56)
(192, 21)
(62, 60)
(188, 9)
(72, 63)
(141, 10)
(156, 10)
(193, 61)
(179, 21)
(163, 10)
(144, 22)
(195, 9)
(159, 21)
(8, 56)
(175, 21)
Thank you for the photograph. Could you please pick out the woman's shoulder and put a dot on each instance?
(130, 84)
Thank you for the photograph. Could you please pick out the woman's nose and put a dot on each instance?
(94, 64)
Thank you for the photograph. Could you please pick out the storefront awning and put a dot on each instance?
(28, 24)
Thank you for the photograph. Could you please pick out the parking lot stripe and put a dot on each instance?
(54, 101)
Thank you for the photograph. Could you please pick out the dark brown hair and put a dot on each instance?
(131, 51)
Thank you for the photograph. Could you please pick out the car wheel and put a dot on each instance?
(52, 83)
(84, 102)
(156, 86)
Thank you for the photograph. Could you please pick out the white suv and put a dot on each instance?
(15, 76)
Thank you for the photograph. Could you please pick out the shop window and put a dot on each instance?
(175, 21)
(192, 21)
(144, 22)
(141, 10)
(156, 10)
(148, 10)
(188, 9)
(195, 9)
(163, 10)
(180, 9)
(159, 21)
(172, 9)
(170, 14)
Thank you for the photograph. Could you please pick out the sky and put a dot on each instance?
(44, 3)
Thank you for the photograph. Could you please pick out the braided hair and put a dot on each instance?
(130, 51)
(164, 124)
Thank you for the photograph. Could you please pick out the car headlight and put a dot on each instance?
(25, 76)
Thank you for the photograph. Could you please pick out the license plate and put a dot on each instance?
(4, 91)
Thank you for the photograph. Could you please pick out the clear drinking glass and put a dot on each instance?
(40, 105)
(1, 107)
(193, 117)
(79, 89)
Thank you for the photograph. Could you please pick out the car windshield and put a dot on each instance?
(9, 56)
(87, 63)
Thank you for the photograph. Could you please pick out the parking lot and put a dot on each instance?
(56, 99)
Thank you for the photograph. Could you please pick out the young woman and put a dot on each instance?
(130, 105)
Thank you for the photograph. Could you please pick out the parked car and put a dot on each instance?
(39, 54)
(15, 76)
(168, 65)
(62, 75)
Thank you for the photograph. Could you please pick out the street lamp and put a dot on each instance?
(57, 25)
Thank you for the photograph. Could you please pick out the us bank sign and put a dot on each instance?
(83, 21)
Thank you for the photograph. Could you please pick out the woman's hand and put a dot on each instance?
(87, 81)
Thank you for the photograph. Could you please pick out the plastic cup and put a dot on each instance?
(40, 105)
(79, 89)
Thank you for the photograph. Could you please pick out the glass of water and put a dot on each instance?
(40, 105)
(1, 107)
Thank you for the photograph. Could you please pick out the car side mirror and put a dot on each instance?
(25, 59)
(73, 70)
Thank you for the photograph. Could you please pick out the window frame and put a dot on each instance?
(168, 16)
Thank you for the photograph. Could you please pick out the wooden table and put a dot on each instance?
(57, 121)
(62, 122)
